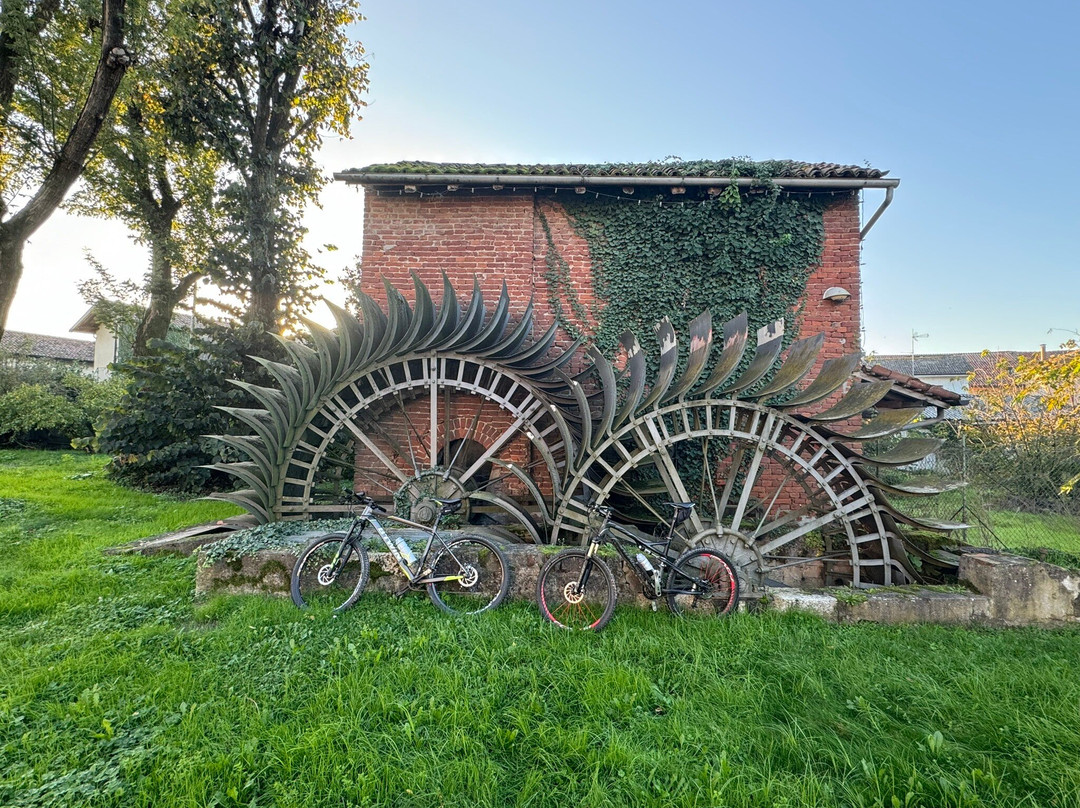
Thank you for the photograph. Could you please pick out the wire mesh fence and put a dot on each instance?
(1008, 499)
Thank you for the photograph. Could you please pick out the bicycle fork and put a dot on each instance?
(586, 568)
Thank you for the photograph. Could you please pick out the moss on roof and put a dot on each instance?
(737, 167)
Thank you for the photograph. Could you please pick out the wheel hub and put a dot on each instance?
(571, 593)
(421, 492)
(326, 574)
(469, 576)
(746, 558)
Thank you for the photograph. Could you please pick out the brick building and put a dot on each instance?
(486, 220)
(499, 223)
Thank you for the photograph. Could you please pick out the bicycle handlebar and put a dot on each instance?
(362, 498)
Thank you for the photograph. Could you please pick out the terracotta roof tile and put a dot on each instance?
(42, 346)
(905, 382)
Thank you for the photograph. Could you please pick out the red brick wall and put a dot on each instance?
(839, 267)
(409, 429)
(487, 236)
(498, 237)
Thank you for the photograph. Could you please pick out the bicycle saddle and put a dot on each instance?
(682, 512)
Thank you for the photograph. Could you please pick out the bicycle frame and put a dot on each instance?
(416, 572)
(618, 537)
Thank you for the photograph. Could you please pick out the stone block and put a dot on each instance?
(1023, 591)
(822, 604)
(916, 606)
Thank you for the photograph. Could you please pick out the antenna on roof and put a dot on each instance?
(914, 337)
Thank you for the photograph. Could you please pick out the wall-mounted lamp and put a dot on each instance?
(837, 294)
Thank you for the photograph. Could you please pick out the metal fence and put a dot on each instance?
(1007, 501)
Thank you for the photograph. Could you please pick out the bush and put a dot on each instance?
(46, 404)
(157, 435)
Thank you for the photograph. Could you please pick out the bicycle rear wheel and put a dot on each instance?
(702, 583)
(565, 603)
(324, 578)
(474, 573)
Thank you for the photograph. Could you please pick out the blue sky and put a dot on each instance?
(974, 106)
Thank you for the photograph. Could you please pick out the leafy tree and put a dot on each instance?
(149, 177)
(58, 76)
(265, 82)
(1024, 427)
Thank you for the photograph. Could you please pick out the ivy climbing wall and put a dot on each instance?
(600, 264)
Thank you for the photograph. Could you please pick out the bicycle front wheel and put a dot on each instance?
(702, 583)
(330, 572)
(470, 575)
(566, 602)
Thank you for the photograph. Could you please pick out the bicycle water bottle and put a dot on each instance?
(645, 564)
(650, 576)
(404, 549)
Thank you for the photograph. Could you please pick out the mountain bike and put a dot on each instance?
(576, 588)
(464, 574)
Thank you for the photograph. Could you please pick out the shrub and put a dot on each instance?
(33, 408)
(1024, 430)
(47, 404)
(157, 434)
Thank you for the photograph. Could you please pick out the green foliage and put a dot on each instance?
(748, 252)
(47, 404)
(48, 58)
(61, 62)
(153, 180)
(1023, 426)
(270, 536)
(32, 407)
(157, 436)
(1060, 558)
(119, 689)
(264, 83)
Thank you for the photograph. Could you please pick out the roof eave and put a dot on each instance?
(88, 323)
(576, 180)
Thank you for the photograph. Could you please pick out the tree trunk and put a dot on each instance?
(69, 164)
(11, 267)
(164, 295)
(264, 309)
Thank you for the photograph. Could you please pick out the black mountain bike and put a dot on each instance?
(576, 588)
(464, 574)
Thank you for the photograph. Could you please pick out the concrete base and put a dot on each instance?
(1024, 591)
(886, 606)
(1012, 591)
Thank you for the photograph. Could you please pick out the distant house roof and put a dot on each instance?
(88, 323)
(42, 346)
(955, 365)
(667, 172)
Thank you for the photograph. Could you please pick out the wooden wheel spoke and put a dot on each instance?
(365, 439)
(461, 445)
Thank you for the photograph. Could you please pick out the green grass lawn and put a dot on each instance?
(118, 688)
(992, 526)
